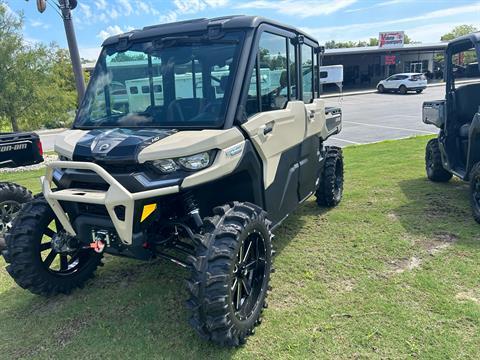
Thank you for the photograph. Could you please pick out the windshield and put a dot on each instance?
(172, 82)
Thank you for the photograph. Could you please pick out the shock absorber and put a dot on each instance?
(191, 207)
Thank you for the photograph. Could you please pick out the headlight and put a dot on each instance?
(195, 162)
(165, 165)
(190, 163)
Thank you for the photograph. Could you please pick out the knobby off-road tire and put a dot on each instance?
(34, 264)
(230, 274)
(330, 189)
(475, 192)
(12, 197)
(434, 164)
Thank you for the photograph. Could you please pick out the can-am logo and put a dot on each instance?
(104, 147)
(15, 147)
(392, 39)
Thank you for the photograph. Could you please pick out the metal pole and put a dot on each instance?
(73, 48)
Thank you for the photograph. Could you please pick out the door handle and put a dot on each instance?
(264, 130)
(267, 129)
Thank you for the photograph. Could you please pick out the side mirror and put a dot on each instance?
(41, 5)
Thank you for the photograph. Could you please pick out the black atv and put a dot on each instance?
(456, 151)
(16, 149)
(219, 143)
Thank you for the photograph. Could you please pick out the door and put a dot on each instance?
(392, 82)
(310, 157)
(416, 67)
(276, 122)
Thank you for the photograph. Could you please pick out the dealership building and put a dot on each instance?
(365, 66)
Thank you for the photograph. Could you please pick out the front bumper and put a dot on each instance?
(116, 195)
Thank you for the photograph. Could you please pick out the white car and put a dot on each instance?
(403, 83)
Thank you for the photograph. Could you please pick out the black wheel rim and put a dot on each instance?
(248, 275)
(338, 186)
(57, 263)
(476, 193)
(8, 210)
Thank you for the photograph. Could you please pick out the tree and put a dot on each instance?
(468, 56)
(407, 40)
(458, 31)
(36, 81)
(124, 56)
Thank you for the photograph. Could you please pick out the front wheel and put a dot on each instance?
(230, 273)
(12, 197)
(381, 88)
(42, 258)
(434, 164)
(402, 89)
(475, 192)
(330, 189)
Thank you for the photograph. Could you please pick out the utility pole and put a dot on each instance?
(66, 7)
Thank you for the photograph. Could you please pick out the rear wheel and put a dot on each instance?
(402, 89)
(475, 192)
(330, 189)
(434, 164)
(381, 88)
(230, 273)
(12, 197)
(42, 257)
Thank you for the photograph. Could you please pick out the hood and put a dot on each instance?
(116, 145)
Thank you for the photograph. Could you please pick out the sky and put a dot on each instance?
(340, 20)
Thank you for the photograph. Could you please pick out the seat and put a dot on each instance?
(465, 130)
(467, 102)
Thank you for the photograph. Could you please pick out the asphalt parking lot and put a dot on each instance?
(375, 117)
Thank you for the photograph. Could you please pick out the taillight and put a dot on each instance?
(40, 147)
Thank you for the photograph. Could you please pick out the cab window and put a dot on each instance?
(273, 79)
(307, 73)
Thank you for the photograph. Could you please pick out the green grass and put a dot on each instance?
(346, 284)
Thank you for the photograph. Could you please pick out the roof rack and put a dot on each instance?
(176, 23)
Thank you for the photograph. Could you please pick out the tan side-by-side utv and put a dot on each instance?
(194, 141)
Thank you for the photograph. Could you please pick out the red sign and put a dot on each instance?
(390, 59)
(392, 39)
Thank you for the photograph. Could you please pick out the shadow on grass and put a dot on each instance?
(131, 307)
(134, 304)
(438, 208)
(292, 225)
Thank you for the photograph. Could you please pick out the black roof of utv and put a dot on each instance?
(198, 25)
(463, 43)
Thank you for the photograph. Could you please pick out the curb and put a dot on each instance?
(50, 131)
(371, 91)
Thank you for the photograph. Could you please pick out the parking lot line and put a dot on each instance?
(347, 141)
(387, 127)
